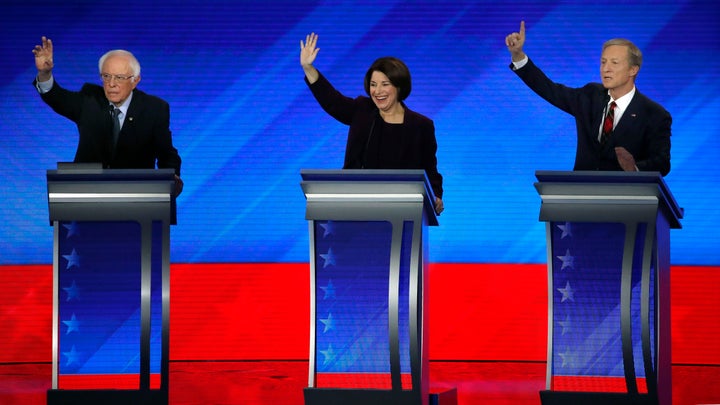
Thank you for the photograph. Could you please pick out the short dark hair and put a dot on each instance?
(395, 70)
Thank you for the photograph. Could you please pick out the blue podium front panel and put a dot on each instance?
(593, 265)
(99, 322)
(353, 262)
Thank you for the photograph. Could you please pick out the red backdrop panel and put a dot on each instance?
(26, 314)
(261, 312)
(488, 312)
(695, 315)
(239, 311)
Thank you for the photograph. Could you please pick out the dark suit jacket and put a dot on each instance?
(145, 138)
(415, 147)
(643, 129)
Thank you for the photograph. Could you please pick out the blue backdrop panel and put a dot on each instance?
(245, 123)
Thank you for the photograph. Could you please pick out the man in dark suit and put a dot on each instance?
(617, 127)
(139, 138)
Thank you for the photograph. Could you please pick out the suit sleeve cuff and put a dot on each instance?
(519, 64)
(44, 87)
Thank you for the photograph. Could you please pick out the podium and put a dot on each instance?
(608, 255)
(368, 277)
(111, 284)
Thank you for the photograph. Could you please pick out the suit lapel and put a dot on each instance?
(598, 117)
(629, 117)
(132, 112)
(105, 124)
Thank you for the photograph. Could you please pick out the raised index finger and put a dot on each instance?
(522, 28)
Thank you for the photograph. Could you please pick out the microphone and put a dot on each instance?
(606, 101)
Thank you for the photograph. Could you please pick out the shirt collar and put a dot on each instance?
(625, 100)
(125, 104)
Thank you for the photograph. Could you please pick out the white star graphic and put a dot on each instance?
(73, 259)
(72, 356)
(72, 292)
(565, 324)
(567, 293)
(566, 230)
(567, 260)
(73, 325)
(568, 359)
(72, 229)
(329, 258)
(329, 355)
(329, 290)
(329, 228)
(328, 322)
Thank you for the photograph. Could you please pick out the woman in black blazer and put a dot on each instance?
(384, 133)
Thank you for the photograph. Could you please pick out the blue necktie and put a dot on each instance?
(116, 125)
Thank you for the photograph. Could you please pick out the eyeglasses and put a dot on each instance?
(106, 77)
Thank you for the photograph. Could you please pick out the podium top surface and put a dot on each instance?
(366, 175)
(95, 172)
(603, 184)
(371, 181)
(591, 176)
(87, 192)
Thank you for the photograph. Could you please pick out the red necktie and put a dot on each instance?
(608, 123)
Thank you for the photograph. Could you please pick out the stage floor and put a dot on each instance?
(282, 382)
(240, 333)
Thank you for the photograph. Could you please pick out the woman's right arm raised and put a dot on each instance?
(308, 53)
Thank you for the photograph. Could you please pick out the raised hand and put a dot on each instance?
(308, 50)
(515, 42)
(439, 207)
(308, 53)
(44, 58)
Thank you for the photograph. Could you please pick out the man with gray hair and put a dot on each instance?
(618, 128)
(119, 125)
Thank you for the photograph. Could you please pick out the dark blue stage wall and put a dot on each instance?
(246, 124)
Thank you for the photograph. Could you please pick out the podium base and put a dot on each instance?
(341, 396)
(445, 396)
(107, 397)
(594, 398)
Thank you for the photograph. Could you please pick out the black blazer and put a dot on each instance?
(416, 150)
(643, 129)
(145, 138)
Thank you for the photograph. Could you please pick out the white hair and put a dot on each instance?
(134, 64)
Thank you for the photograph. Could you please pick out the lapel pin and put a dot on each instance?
(632, 115)
(131, 118)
